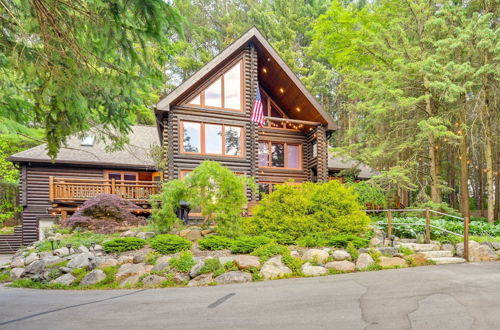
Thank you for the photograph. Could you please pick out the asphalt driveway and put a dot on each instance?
(461, 296)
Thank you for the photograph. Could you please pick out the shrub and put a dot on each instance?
(212, 265)
(104, 214)
(76, 239)
(295, 264)
(406, 250)
(151, 257)
(184, 262)
(311, 241)
(248, 244)
(267, 251)
(167, 244)
(214, 242)
(369, 194)
(124, 244)
(351, 249)
(343, 240)
(323, 209)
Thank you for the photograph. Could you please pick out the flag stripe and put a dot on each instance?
(257, 110)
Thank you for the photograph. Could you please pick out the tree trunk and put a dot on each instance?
(489, 177)
(497, 188)
(433, 151)
(464, 167)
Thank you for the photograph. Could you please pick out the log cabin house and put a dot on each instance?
(206, 117)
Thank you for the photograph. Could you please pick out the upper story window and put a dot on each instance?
(88, 140)
(280, 155)
(315, 149)
(226, 92)
(211, 139)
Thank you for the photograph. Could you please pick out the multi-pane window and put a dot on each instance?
(280, 155)
(211, 139)
(226, 92)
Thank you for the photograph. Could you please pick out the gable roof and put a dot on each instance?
(135, 153)
(338, 163)
(251, 36)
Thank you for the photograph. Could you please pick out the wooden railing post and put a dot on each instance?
(51, 188)
(389, 224)
(427, 226)
(466, 238)
(113, 183)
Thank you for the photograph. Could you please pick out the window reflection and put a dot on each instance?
(213, 94)
(278, 155)
(213, 139)
(191, 137)
(232, 88)
(233, 140)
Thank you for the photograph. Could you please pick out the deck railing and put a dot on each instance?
(78, 190)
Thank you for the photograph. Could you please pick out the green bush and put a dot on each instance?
(324, 209)
(248, 244)
(76, 239)
(214, 242)
(311, 241)
(184, 262)
(295, 264)
(124, 244)
(343, 240)
(369, 194)
(212, 265)
(267, 251)
(351, 249)
(167, 244)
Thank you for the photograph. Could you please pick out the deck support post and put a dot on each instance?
(427, 226)
(389, 224)
(51, 188)
(113, 186)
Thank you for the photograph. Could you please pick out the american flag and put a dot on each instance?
(257, 112)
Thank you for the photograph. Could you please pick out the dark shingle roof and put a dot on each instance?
(135, 154)
(337, 162)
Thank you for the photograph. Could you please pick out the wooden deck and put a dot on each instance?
(71, 190)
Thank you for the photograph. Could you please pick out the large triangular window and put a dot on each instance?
(226, 92)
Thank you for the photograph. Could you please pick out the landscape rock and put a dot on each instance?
(341, 266)
(52, 260)
(159, 267)
(163, 259)
(93, 277)
(496, 245)
(128, 233)
(45, 254)
(315, 254)
(151, 281)
(477, 252)
(245, 262)
(274, 268)
(194, 235)
(421, 247)
(102, 262)
(66, 279)
(81, 260)
(224, 260)
(64, 251)
(376, 241)
(206, 232)
(16, 273)
(234, 277)
(131, 280)
(145, 234)
(448, 247)
(139, 258)
(82, 249)
(341, 255)
(181, 278)
(128, 270)
(31, 258)
(97, 248)
(420, 259)
(201, 280)
(388, 250)
(184, 232)
(195, 270)
(17, 262)
(364, 261)
(295, 254)
(34, 268)
(65, 270)
(310, 270)
(125, 260)
(392, 262)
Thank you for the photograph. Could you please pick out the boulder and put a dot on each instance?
(16, 273)
(34, 269)
(160, 267)
(376, 241)
(274, 268)
(66, 279)
(245, 262)
(93, 277)
(194, 235)
(315, 254)
(341, 266)
(295, 254)
(31, 258)
(52, 260)
(129, 281)
(102, 262)
(125, 260)
(128, 233)
(181, 278)
(421, 247)
(206, 232)
(234, 277)
(82, 249)
(81, 260)
(196, 269)
(448, 247)
(201, 280)
(341, 255)
(145, 234)
(310, 270)
(64, 251)
(392, 262)
(420, 259)
(224, 260)
(327, 250)
(65, 270)
(17, 262)
(477, 252)
(184, 232)
(128, 270)
(163, 259)
(151, 281)
(364, 261)
(139, 259)
(388, 250)
(97, 248)
(495, 245)
(45, 254)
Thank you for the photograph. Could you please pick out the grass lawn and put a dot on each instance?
(6, 230)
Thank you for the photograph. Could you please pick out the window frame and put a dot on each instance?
(270, 143)
(281, 125)
(203, 139)
(122, 174)
(221, 77)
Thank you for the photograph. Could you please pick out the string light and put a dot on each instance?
(264, 70)
(282, 90)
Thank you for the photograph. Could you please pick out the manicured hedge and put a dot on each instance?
(167, 244)
(214, 242)
(124, 244)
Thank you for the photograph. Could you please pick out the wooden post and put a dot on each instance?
(389, 224)
(51, 188)
(466, 238)
(112, 186)
(427, 226)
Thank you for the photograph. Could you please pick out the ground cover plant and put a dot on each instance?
(215, 242)
(168, 243)
(75, 239)
(124, 244)
(248, 244)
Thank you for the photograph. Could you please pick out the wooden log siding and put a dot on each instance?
(251, 85)
(322, 154)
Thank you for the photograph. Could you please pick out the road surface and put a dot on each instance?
(462, 296)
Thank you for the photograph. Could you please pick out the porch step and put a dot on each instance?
(437, 254)
(420, 247)
(447, 260)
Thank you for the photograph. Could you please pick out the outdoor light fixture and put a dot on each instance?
(298, 109)
(51, 240)
(69, 248)
(282, 90)
(264, 70)
(92, 246)
(58, 243)
(392, 240)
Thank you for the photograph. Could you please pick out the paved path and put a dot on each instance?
(462, 296)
